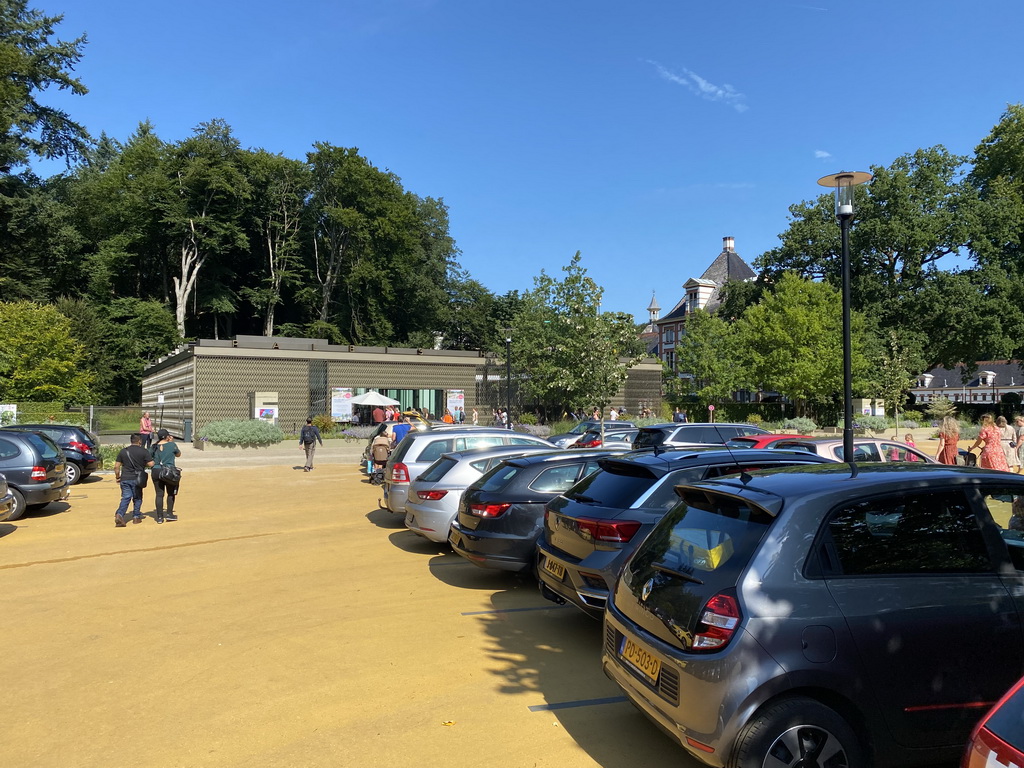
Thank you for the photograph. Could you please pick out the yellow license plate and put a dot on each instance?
(642, 660)
(555, 568)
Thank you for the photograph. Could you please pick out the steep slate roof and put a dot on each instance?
(1008, 373)
(728, 266)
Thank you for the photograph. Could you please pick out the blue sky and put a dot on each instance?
(638, 133)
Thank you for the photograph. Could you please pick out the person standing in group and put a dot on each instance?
(1018, 425)
(992, 456)
(164, 453)
(146, 430)
(1008, 441)
(613, 415)
(308, 438)
(677, 416)
(400, 430)
(476, 417)
(378, 415)
(949, 436)
(462, 415)
(130, 475)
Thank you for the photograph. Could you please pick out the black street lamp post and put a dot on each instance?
(844, 183)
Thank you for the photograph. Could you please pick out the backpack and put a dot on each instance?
(308, 435)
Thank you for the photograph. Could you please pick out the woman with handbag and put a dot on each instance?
(165, 474)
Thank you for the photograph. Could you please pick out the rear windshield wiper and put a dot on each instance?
(584, 499)
(674, 572)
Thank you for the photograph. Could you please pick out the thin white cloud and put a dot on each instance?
(809, 7)
(706, 90)
(821, 154)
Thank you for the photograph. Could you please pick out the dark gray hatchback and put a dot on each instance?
(818, 617)
(34, 467)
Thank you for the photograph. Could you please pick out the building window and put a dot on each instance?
(670, 335)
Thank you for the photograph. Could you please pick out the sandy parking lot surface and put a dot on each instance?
(286, 621)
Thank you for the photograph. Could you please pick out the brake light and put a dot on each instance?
(589, 444)
(399, 473)
(38, 473)
(75, 445)
(431, 495)
(720, 617)
(488, 510)
(608, 530)
(985, 748)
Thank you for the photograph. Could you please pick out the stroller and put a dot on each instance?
(379, 453)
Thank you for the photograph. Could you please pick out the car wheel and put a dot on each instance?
(797, 733)
(19, 505)
(73, 471)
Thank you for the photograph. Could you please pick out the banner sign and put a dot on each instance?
(341, 404)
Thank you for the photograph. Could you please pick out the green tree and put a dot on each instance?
(40, 360)
(791, 342)
(571, 354)
(893, 375)
(32, 62)
(706, 360)
(135, 332)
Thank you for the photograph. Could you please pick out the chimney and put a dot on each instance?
(728, 244)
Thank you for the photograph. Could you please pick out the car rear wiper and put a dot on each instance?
(674, 572)
(584, 499)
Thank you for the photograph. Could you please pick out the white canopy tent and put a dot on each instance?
(373, 398)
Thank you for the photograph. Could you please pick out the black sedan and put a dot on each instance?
(501, 515)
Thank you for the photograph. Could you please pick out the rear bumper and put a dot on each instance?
(502, 552)
(572, 587)
(429, 523)
(44, 494)
(6, 505)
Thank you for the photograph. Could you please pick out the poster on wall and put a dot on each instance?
(456, 402)
(267, 413)
(341, 403)
(8, 414)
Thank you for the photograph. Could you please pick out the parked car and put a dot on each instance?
(6, 499)
(420, 449)
(676, 435)
(761, 441)
(565, 439)
(998, 740)
(501, 515)
(34, 468)
(864, 449)
(434, 496)
(591, 529)
(620, 438)
(81, 447)
(803, 616)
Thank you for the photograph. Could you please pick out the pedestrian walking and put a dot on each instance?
(130, 475)
(949, 436)
(309, 436)
(992, 456)
(1008, 441)
(146, 430)
(164, 454)
(476, 417)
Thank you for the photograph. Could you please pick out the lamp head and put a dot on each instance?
(844, 182)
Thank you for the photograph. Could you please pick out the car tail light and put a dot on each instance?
(988, 749)
(720, 617)
(38, 473)
(488, 510)
(75, 445)
(399, 473)
(608, 530)
(431, 495)
(589, 444)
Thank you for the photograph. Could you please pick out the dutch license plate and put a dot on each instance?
(555, 568)
(643, 661)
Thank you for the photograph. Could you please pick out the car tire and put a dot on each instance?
(19, 505)
(73, 471)
(797, 731)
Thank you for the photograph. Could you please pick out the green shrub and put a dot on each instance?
(909, 425)
(527, 418)
(800, 425)
(324, 423)
(248, 432)
(871, 423)
(108, 454)
(561, 427)
(755, 419)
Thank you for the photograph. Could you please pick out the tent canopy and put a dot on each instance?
(373, 398)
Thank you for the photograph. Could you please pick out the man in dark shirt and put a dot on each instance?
(308, 438)
(129, 470)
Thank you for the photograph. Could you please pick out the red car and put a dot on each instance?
(759, 441)
(998, 740)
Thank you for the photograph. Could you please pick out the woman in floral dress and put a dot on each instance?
(992, 456)
(949, 435)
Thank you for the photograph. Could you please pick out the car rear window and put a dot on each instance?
(437, 470)
(649, 438)
(47, 448)
(556, 479)
(1006, 722)
(696, 551)
(616, 485)
(498, 478)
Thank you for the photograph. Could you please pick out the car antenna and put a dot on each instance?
(745, 477)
